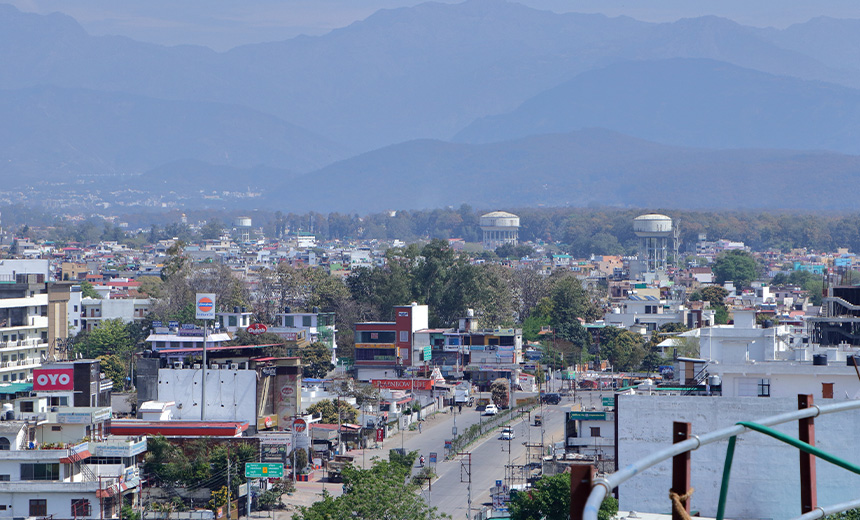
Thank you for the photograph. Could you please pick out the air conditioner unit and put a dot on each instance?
(214, 366)
(197, 366)
(177, 365)
(234, 366)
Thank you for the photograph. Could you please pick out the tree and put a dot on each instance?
(549, 499)
(380, 493)
(110, 337)
(500, 390)
(737, 266)
(88, 291)
(625, 351)
(651, 361)
(571, 301)
(714, 294)
(316, 361)
(328, 411)
(115, 369)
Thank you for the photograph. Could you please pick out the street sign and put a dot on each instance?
(454, 431)
(264, 470)
(432, 457)
(428, 353)
(380, 434)
(587, 416)
(449, 445)
(205, 306)
(257, 328)
(608, 401)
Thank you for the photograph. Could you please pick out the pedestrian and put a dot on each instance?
(419, 426)
(460, 408)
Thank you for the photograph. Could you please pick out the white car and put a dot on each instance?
(491, 410)
(507, 434)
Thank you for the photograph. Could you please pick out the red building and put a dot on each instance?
(382, 349)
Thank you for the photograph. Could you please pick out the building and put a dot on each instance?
(384, 349)
(34, 315)
(96, 310)
(318, 327)
(57, 457)
(499, 228)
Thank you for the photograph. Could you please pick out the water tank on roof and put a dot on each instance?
(714, 380)
(852, 361)
(819, 359)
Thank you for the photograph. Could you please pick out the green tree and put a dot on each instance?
(738, 266)
(88, 291)
(571, 301)
(549, 499)
(379, 493)
(626, 351)
(115, 369)
(714, 294)
(651, 361)
(316, 360)
(110, 337)
(328, 410)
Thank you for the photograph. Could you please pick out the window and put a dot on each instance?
(827, 390)
(404, 336)
(81, 507)
(595, 431)
(27, 406)
(231, 321)
(38, 507)
(764, 388)
(288, 321)
(306, 321)
(56, 428)
(40, 471)
(4, 478)
(4, 444)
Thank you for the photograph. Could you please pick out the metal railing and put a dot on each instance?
(602, 486)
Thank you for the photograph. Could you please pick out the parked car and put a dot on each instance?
(491, 409)
(507, 434)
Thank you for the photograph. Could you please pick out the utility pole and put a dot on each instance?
(203, 377)
(228, 484)
(466, 466)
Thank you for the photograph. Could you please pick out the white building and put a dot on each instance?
(96, 310)
(499, 228)
(765, 479)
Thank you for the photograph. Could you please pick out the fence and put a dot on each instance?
(476, 431)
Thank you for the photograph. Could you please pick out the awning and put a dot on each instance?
(76, 457)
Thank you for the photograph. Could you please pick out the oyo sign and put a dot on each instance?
(257, 328)
(53, 379)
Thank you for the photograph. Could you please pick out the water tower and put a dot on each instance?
(243, 228)
(500, 228)
(656, 235)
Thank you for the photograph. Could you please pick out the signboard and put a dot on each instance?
(173, 324)
(433, 457)
(403, 384)
(257, 328)
(157, 324)
(380, 434)
(274, 451)
(49, 379)
(428, 353)
(608, 401)
(120, 450)
(205, 306)
(300, 425)
(449, 444)
(264, 470)
(267, 421)
(587, 416)
(190, 330)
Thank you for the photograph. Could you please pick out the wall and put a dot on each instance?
(765, 479)
(230, 394)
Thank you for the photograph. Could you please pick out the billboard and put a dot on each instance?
(52, 379)
(403, 384)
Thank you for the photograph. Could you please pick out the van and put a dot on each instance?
(551, 398)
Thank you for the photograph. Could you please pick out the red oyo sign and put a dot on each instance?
(53, 379)
(299, 425)
(257, 328)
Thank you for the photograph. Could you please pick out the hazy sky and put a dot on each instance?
(222, 24)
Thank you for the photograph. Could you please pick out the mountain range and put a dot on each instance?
(434, 104)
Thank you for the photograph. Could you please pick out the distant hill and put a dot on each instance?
(197, 176)
(589, 167)
(690, 102)
(56, 131)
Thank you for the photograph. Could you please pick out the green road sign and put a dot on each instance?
(264, 470)
(608, 401)
(587, 416)
(428, 352)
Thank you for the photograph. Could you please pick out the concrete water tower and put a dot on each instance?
(656, 239)
(243, 228)
(500, 228)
